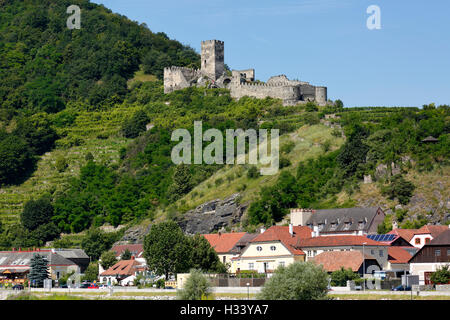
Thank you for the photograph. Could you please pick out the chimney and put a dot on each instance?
(291, 229)
(394, 225)
(299, 217)
(262, 230)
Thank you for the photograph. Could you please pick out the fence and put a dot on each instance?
(238, 280)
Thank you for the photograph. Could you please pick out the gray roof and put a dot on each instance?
(72, 253)
(343, 220)
(441, 240)
(21, 259)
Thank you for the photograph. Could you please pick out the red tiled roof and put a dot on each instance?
(334, 241)
(135, 249)
(398, 255)
(335, 260)
(123, 268)
(433, 230)
(406, 234)
(281, 233)
(223, 242)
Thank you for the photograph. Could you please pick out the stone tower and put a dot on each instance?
(213, 64)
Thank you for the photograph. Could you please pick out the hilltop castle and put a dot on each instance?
(240, 82)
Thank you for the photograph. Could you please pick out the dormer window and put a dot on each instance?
(347, 224)
(321, 226)
(333, 225)
(259, 248)
(361, 224)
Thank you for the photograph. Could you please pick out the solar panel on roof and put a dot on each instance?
(382, 237)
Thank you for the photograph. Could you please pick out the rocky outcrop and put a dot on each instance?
(212, 215)
(135, 234)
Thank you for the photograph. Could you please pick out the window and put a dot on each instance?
(273, 248)
(259, 248)
(427, 240)
(309, 253)
(417, 241)
(320, 226)
(448, 252)
(437, 253)
(224, 259)
(281, 263)
(314, 253)
(381, 253)
(251, 266)
(372, 252)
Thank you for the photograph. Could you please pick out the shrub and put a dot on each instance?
(252, 173)
(441, 276)
(399, 188)
(61, 164)
(284, 162)
(340, 277)
(298, 281)
(197, 287)
(133, 127)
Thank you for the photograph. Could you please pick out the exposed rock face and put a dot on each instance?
(212, 215)
(135, 234)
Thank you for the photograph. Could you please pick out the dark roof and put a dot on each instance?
(353, 216)
(23, 258)
(72, 253)
(442, 239)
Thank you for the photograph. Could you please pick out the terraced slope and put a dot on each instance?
(95, 132)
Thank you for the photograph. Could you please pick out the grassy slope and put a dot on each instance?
(307, 139)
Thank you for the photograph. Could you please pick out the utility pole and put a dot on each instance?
(364, 269)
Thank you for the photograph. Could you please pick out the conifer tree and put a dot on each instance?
(39, 270)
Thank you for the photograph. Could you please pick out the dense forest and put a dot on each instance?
(52, 79)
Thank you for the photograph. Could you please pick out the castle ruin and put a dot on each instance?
(240, 82)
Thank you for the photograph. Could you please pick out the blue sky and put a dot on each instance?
(324, 42)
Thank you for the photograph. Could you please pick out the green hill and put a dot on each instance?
(85, 127)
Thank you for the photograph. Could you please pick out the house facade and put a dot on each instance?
(317, 245)
(229, 245)
(419, 237)
(122, 273)
(335, 260)
(276, 246)
(136, 250)
(16, 265)
(431, 257)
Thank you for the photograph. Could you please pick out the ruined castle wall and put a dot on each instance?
(321, 95)
(261, 91)
(176, 78)
(308, 92)
(248, 74)
(213, 61)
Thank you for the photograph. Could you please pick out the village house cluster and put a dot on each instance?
(333, 238)
(336, 238)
